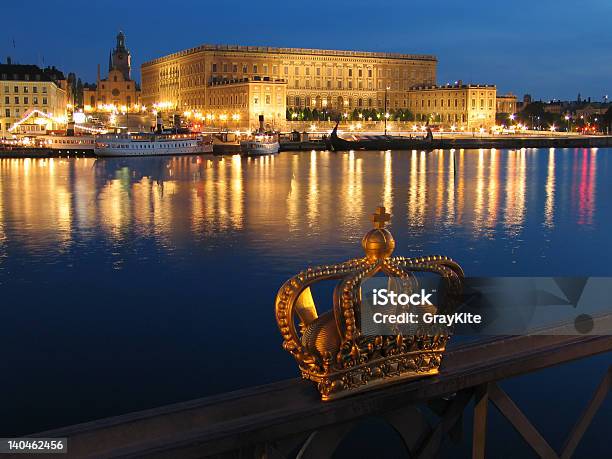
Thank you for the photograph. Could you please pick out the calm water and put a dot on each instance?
(131, 283)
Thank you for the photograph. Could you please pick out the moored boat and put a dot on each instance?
(152, 144)
(380, 142)
(261, 144)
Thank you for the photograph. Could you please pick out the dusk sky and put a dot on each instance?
(550, 49)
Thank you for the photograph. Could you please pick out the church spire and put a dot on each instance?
(110, 61)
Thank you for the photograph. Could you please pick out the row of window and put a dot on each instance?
(255, 69)
(26, 89)
(26, 77)
(26, 100)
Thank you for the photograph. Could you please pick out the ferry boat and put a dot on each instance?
(261, 144)
(68, 144)
(152, 144)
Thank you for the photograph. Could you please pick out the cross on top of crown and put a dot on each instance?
(380, 217)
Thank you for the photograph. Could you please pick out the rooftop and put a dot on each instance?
(310, 51)
(455, 86)
(29, 72)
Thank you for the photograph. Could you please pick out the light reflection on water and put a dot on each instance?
(140, 264)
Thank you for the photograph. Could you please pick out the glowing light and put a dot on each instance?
(79, 117)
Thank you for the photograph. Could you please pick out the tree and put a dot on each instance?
(307, 114)
(79, 93)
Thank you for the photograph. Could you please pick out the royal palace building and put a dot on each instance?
(468, 106)
(318, 79)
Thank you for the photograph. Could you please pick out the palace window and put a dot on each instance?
(26, 100)
(307, 70)
(225, 66)
(286, 70)
(6, 89)
(360, 102)
(350, 72)
(256, 100)
(360, 84)
(245, 68)
(254, 68)
(7, 112)
(297, 83)
(7, 100)
(339, 84)
(297, 71)
(275, 70)
(340, 72)
(369, 73)
(25, 89)
(214, 67)
(265, 69)
(360, 73)
(16, 100)
(318, 71)
(16, 89)
(235, 68)
(307, 84)
(350, 84)
(268, 99)
(44, 101)
(329, 84)
(329, 71)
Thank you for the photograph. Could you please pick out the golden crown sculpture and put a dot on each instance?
(331, 350)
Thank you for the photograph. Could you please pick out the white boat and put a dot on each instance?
(66, 144)
(260, 145)
(152, 144)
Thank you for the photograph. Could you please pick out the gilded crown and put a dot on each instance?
(331, 348)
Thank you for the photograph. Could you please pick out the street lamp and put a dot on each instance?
(386, 114)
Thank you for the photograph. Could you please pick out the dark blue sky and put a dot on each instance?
(543, 47)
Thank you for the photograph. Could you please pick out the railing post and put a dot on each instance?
(481, 405)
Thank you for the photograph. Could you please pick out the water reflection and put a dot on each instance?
(485, 193)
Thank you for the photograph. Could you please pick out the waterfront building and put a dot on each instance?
(117, 90)
(506, 103)
(465, 106)
(317, 79)
(26, 90)
(235, 103)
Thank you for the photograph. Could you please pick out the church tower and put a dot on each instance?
(121, 58)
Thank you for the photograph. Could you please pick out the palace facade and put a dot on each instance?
(467, 106)
(236, 103)
(118, 89)
(319, 79)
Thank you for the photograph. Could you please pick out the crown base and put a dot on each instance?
(376, 373)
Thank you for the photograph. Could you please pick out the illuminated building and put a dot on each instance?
(236, 103)
(468, 106)
(506, 103)
(118, 89)
(315, 79)
(25, 88)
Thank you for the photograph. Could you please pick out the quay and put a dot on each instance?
(445, 143)
(278, 419)
(476, 142)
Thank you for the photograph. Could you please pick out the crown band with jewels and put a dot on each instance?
(331, 350)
